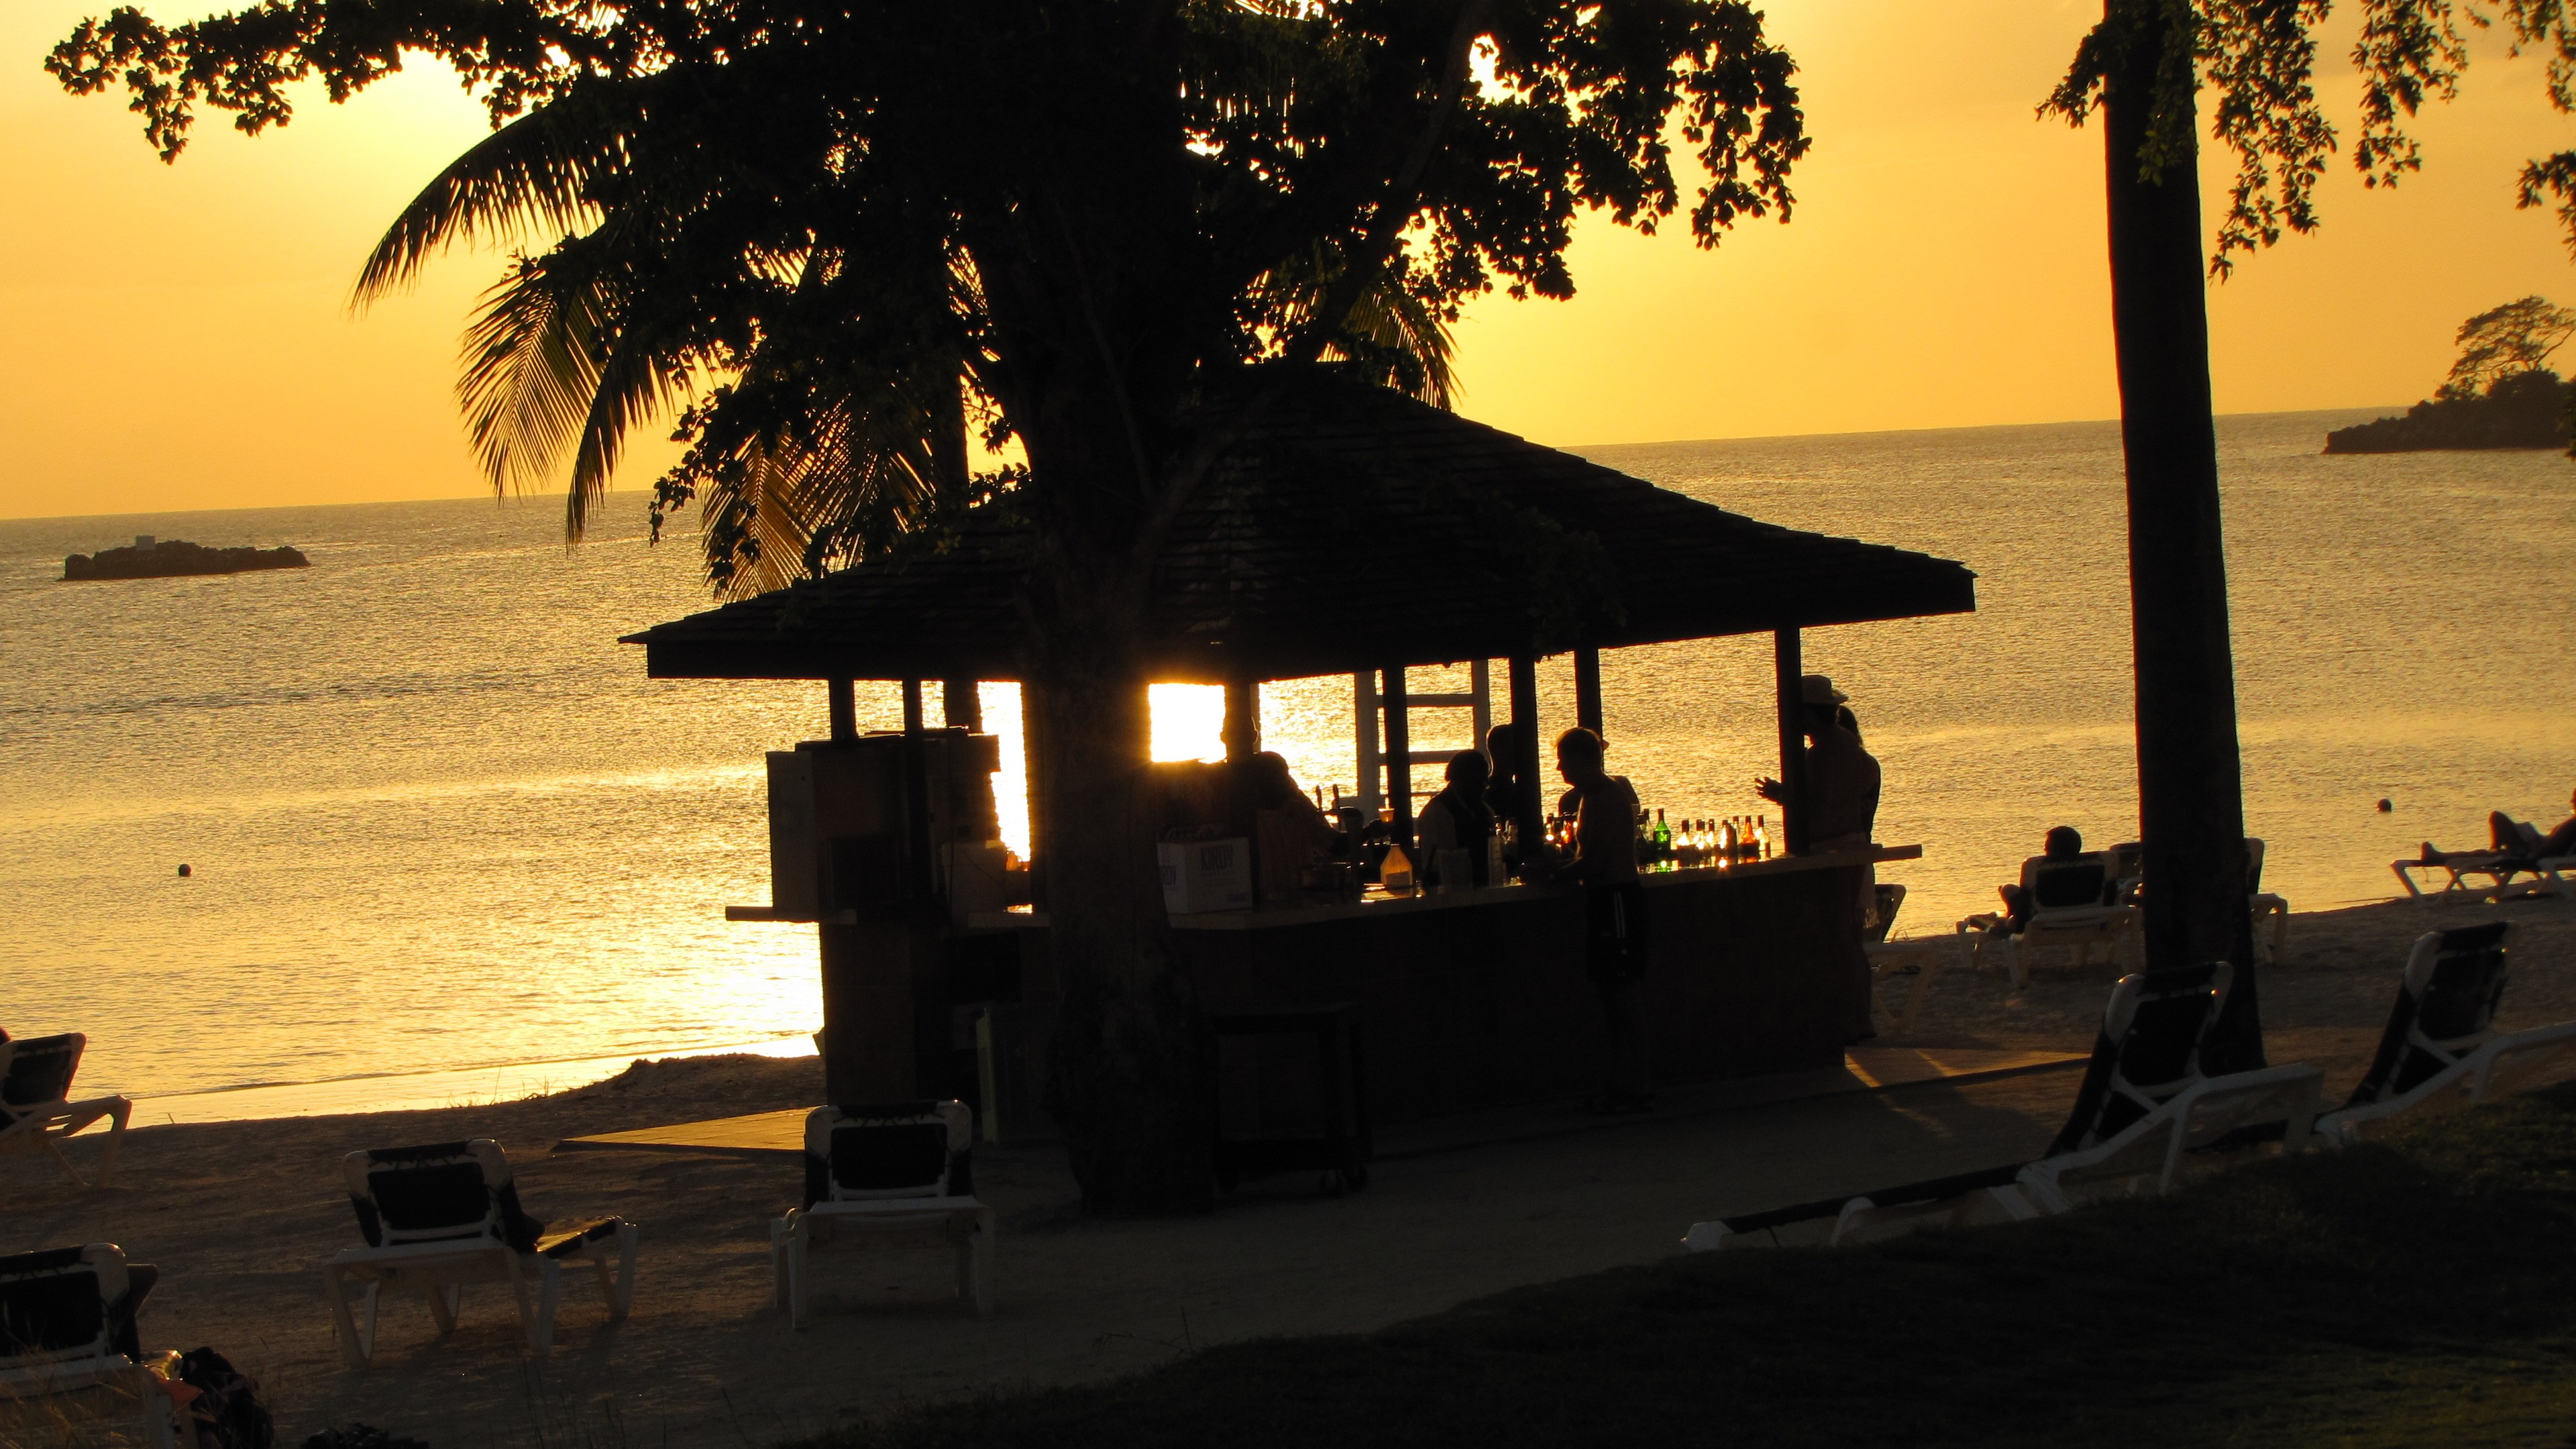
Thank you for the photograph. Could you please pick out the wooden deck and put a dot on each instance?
(1864, 1069)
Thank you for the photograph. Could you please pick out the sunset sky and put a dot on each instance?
(181, 338)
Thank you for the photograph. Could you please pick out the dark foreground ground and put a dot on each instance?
(2416, 1291)
(2413, 1294)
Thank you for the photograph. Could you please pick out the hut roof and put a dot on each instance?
(1346, 527)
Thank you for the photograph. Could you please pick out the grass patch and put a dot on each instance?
(2417, 1291)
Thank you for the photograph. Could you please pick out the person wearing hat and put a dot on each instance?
(1840, 806)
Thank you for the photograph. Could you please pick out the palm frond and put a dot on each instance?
(528, 176)
(531, 368)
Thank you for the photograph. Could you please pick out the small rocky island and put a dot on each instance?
(2525, 410)
(150, 558)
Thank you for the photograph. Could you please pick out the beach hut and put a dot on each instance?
(1347, 530)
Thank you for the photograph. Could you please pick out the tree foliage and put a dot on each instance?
(2258, 61)
(2504, 342)
(820, 234)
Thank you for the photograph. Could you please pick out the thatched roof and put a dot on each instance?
(1346, 528)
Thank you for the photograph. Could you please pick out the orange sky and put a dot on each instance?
(180, 337)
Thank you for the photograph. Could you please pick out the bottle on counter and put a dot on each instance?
(1761, 837)
(1663, 853)
(1726, 842)
(1396, 871)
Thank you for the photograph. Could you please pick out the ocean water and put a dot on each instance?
(439, 821)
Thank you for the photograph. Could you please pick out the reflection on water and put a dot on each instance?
(438, 819)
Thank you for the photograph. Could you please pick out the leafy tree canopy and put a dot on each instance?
(2504, 342)
(2259, 60)
(1084, 212)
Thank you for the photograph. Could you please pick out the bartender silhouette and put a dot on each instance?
(1840, 807)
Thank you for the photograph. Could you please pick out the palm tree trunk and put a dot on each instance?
(1130, 1073)
(2190, 782)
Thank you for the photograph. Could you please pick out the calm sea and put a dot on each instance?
(438, 820)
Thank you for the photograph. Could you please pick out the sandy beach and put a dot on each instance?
(240, 1216)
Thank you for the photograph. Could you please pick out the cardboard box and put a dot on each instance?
(1206, 875)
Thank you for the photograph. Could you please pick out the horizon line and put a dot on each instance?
(1576, 448)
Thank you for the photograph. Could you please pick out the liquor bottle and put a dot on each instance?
(1396, 871)
(1663, 839)
(1726, 842)
(1762, 837)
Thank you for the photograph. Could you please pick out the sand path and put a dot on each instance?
(240, 1217)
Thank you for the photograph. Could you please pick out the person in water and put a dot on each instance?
(1604, 863)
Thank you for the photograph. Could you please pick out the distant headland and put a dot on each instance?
(2526, 410)
(2501, 392)
(150, 558)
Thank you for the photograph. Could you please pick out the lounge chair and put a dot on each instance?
(2440, 1047)
(1921, 957)
(441, 1216)
(2143, 1106)
(2068, 910)
(36, 1110)
(2499, 870)
(62, 1375)
(905, 1168)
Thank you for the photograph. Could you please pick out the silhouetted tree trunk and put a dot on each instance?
(2190, 780)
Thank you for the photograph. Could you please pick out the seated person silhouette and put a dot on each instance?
(2509, 837)
(2064, 842)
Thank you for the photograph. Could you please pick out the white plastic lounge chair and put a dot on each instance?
(61, 1373)
(2491, 875)
(2441, 1047)
(441, 1216)
(2142, 1107)
(1922, 957)
(36, 1110)
(902, 1167)
(2067, 911)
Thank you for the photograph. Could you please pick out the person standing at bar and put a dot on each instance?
(1458, 819)
(1290, 832)
(1604, 863)
(1841, 807)
(1503, 790)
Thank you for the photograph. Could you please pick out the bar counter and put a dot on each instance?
(1476, 999)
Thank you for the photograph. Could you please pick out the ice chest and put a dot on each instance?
(1206, 875)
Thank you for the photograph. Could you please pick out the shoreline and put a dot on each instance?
(372, 1093)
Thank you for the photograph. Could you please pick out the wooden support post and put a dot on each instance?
(885, 1013)
(1399, 756)
(920, 877)
(843, 694)
(1587, 690)
(1030, 770)
(960, 706)
(1528, 819)
(1788, 673)
(1242, 729)
(1480, 683)
(1371, 754)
